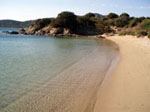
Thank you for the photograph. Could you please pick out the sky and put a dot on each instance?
(33, 9)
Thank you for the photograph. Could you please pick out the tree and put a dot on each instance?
(65, 20)
(84, 21)
(134, 22)
(40, 23)
(112, 16)
(102, 26)
(120, 22)
(89, 15)
(125, 15)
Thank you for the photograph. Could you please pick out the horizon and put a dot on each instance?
(35, 9)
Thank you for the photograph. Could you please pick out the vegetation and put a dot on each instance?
(65, 20)
(149, 35)
(112, 16)
(135, 22)
(89, 15)
(90, 24)
(40, 23)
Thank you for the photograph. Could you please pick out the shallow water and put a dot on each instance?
(45, 74)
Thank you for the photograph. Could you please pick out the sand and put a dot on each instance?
(128, 88)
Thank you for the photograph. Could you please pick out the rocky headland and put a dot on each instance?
(68, 24)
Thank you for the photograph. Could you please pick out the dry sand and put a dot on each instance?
(128, 88)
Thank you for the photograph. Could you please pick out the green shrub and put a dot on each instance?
(145, 25)
(127, 33)
(102, 26)
(65, 20)
(134, 22)
(89, 15)
(84, 21)
(149, 35)
(120, 22)
(112, 16)
(40, 23)
(43, 22)
(111, 22)
(142, 18)
(124, 15)
(141, 33)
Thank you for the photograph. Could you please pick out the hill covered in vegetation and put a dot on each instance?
(68, 24)
(15, 24)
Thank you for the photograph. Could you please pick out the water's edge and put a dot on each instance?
(113, 64)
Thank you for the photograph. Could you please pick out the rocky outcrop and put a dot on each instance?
(11, 32)
(48, 30)
(31, 30)
(55, 31)
(22, 31)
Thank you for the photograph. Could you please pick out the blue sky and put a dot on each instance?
(33, 9)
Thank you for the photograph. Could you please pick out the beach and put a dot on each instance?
(100, 81)
(128, 88)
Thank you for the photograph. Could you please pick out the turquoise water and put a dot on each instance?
(29, 62)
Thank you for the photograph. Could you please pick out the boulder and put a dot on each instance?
(21, 31)
(31, 30)
(67, 31)
(55, 31)
(13, 32)
(40, 32)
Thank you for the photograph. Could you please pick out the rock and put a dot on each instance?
(54, 31)
(40, 32)
(21, 31)
(31, 30)
(13, 32)
(67, 31)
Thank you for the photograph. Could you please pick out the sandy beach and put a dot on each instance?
(128, 88)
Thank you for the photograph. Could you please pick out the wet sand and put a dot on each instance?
(128, 89)
(73, 90)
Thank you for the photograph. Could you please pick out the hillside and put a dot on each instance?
(69, 24)
(15, 24)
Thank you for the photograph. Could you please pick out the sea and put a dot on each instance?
(50, 74)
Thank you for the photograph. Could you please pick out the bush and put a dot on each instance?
(127, 33)
(40, 23)
(65, 20)
(43, 22)
(145, 25)
(112, 16)
(110, 22)
(149, 35)
(102, 26)
(142, 33)
(124, 15)
(142, 18)
(89, 15)
(134, 22)
(84, 21)
(120, 22)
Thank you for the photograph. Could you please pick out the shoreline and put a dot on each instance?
(127, 89)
